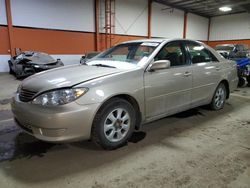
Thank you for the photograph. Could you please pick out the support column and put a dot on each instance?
(185, 25)
(208, 32)
(149, 17)
(97, 17)
(10, 27)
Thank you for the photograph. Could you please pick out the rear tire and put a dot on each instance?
(219, 97)
(10, 69)
(113, 124)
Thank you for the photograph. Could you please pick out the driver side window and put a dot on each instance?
(172, 52)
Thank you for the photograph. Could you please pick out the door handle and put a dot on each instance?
(187, 74)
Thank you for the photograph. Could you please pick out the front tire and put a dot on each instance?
(219, 97)
(113, 124)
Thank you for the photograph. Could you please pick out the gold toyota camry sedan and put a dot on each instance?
(116, 92)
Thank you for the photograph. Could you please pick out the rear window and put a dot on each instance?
(200, 54)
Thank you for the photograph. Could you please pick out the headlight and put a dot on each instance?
(40, 66)
(37, 66)
(59, 97)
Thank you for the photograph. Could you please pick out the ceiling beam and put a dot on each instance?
(177, 7)
(207, 8)
(192, 2)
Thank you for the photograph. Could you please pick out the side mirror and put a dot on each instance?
(83, 56)
(160, 64)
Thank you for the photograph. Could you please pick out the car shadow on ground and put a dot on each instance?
(27, 154)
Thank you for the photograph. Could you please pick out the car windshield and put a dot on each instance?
(130, 53)
(226, 48)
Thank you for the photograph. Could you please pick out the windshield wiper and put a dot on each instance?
(102, 65)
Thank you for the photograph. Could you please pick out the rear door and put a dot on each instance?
(206, 71)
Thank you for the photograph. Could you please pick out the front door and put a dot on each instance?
(169, 90)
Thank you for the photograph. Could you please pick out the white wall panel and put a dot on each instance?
(102, 16)
(167, 23)
(54, 14)
(197, 27)
(131, 17)
(3, 19)
(235, 26)
(4, 67)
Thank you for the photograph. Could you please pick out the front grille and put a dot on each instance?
(26, 95)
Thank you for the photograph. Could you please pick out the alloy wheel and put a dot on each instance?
(117, 124)
(219, 97)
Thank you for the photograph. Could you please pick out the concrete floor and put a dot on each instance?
(196, 148)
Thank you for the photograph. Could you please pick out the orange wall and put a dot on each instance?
(55, 41)
(116, 39)
(214, 43)
(4, 40)
(52, 41)
(68, 42)
(122, 38)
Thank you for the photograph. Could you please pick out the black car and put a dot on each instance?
(30, 62)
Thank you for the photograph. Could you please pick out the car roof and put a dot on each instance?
(148, 40)
(160, 40)
(231, 45)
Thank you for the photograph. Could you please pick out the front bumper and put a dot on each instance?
(66, 123)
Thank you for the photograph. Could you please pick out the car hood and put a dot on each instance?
(65, 77)
(32, 57)
(37, 62)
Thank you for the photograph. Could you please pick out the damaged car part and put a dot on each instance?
(30, 62)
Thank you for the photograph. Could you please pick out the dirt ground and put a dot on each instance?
(196, 148)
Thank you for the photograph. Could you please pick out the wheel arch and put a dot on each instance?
(132, 101)
(226, 84)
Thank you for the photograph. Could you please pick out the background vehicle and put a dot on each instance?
(120, 89)
(233, 51)
(243, 66)
(241, 54)
(30, 62)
